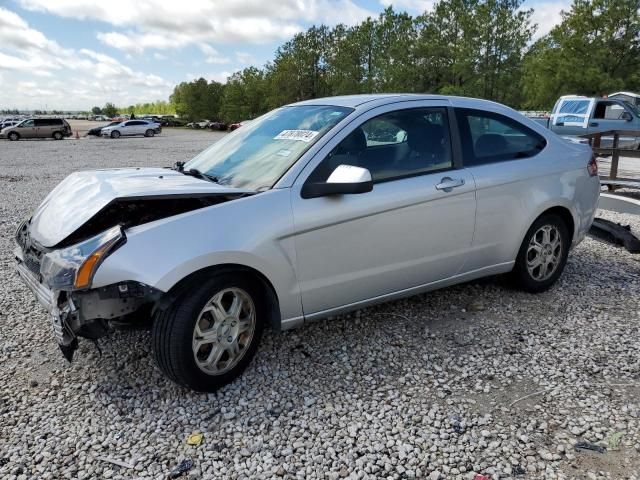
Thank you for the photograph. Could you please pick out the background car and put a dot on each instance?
(56, 128)
(198, 124)
(96, 131)
(219, 126)
(9, 123)
(171, 121)
(235, 126)
(130, 128)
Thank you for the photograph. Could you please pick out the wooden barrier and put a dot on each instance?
(612, 180)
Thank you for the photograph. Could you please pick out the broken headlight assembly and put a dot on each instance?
(73, 268)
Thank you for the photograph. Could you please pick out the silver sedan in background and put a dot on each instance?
(131, 127)
(311, 210)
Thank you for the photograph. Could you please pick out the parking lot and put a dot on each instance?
(477, 378)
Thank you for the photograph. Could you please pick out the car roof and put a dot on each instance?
(366, 101)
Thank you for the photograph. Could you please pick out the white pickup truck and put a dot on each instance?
(575, 115)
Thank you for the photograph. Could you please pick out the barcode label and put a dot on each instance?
(301, 135)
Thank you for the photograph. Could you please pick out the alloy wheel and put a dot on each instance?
(223, 331)
(544, 252)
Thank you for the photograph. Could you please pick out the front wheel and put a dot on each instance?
(543, 254)
(57, 135)
(14, 136)
(207, 336)
(149, 133)
(115, 134)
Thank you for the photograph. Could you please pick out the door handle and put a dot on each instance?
(593, 124)
(447, 184)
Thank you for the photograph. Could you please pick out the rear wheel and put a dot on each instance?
(115, 134)
(210, 332)
(57, 135)
(13, 136)
(149, 133)
(543, 254)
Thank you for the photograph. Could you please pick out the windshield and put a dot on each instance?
(634, 108)
(258, 153)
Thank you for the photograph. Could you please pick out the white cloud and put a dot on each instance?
(220, 77)
(159, 24)
(37, 68)
(212, 55)
(245, 58)
(413, 6)
(547, 15)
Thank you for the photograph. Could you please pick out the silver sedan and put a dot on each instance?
(314, 209)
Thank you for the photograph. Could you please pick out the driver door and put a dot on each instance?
(28, 129)
(414, 228)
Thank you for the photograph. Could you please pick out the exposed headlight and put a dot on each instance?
(73, 268)
(20, 234)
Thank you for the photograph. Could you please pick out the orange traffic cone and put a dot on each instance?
(77, 136)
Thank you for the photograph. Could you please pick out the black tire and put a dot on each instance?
(527, 280)
(149, 133)
(115, 134)
(57, 135)
(14, 136)
(173, 331)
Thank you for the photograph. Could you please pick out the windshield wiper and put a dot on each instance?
(194, 172)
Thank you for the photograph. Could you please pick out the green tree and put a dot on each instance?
(96, 110)
(110, 110)
(594, 50)
(198, 100)
(245, 95)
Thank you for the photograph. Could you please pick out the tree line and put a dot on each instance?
(478, 48)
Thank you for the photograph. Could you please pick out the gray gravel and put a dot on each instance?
(429, 387)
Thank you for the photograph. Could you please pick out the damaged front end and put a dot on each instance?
(80, 223)
(61, 279)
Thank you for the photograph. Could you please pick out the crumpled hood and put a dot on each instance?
(83, 194)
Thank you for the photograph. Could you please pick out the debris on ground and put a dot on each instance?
(195, 439)
(615, 233)
(589, 446)
(183, 467)
(115, 461)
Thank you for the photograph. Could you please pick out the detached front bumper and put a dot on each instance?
(59, 312)
(90, 313)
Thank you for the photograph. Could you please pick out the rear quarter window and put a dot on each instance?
(489, 137)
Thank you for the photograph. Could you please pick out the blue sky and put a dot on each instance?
(73, 54)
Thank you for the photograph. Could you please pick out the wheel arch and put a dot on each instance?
(266, 287)
(565, 214)
(563, 211)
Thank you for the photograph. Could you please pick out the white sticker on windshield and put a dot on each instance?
(302, 135)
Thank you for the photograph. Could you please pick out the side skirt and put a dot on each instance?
(408, 292)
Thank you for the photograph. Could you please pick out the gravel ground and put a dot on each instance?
(477, 378)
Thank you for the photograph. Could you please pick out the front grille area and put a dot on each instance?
(33, 264)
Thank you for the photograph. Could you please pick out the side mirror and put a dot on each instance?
(626, 116)
(345, 179)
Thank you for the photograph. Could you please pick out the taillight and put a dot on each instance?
(592, 166)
